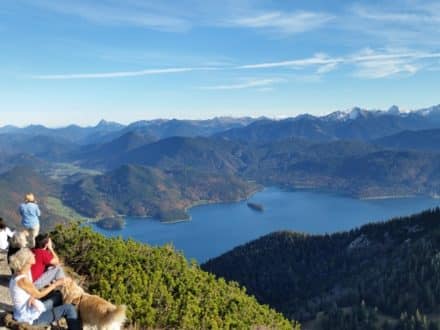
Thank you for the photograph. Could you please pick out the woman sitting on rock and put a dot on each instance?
(25, 296)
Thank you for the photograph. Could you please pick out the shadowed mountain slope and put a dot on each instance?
(426, 140)
(394, 266)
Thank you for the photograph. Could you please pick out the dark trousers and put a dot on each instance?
(53, 299)
(56, 313)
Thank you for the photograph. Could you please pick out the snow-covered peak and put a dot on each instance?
(108, 124)
(430, 110)
(356, 112)
(337, 115)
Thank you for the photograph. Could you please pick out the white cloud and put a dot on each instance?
(385, 68)
(107, 12)
(183, 15)
(371, 64)
(367, 63)
(317, 59)
(427, 13)
(284, 23)
(411, 24)
(326, 68)
(120, 74)
(254, 83)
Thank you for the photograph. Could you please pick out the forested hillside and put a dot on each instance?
(145, 191)
(428, 140)
(161, 289)
(390, 271)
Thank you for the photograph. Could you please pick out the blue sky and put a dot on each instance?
(79, 61)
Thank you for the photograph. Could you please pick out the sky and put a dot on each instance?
(79, 61)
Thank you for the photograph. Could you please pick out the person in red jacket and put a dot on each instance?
(47, 267)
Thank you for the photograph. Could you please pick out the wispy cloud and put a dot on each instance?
(411, 24)
(254, 83)
(283, 22)
(317, 59)
(426, 14)
(107, 12)
(367, 63)
(120, 74)
(372, 65)
(172, 16)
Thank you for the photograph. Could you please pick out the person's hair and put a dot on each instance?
(41, 240)
(2, 224)
(19, 240)
(20, 259)
(29, 198)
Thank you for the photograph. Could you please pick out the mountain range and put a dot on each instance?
(357, 124)
(161, 167)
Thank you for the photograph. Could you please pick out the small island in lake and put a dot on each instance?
(255, 206)
(116, 223)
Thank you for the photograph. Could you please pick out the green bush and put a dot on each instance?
(159, 286)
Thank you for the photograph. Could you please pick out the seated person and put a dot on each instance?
(16, 242)
(47, 266)
(25, 296)
(5, 235)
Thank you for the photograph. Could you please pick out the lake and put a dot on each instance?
(217, 228)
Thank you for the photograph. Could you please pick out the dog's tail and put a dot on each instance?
(116, 315)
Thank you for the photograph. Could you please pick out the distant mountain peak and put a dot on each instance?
(356, 112)
(429, 111)
(394, 110)
(105, 123)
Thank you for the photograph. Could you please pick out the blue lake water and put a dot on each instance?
(217, 228)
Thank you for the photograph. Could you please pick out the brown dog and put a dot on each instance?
(93, 310)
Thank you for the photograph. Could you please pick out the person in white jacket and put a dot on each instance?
(5, 234)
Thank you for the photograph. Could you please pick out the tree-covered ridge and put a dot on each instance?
(146, 191)
(177, 172)
(158, 285)
(165, 177)
(393, 266)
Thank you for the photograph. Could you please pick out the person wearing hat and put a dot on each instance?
(30, 212)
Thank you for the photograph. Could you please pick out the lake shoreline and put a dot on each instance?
(218, 228)
(263, 188)
(378, 197)
(187, 209)
(207, 202)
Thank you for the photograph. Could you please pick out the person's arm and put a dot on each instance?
(55, 260)
(29, 287)
(37, 210)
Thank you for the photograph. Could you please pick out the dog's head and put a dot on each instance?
(71, 292)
